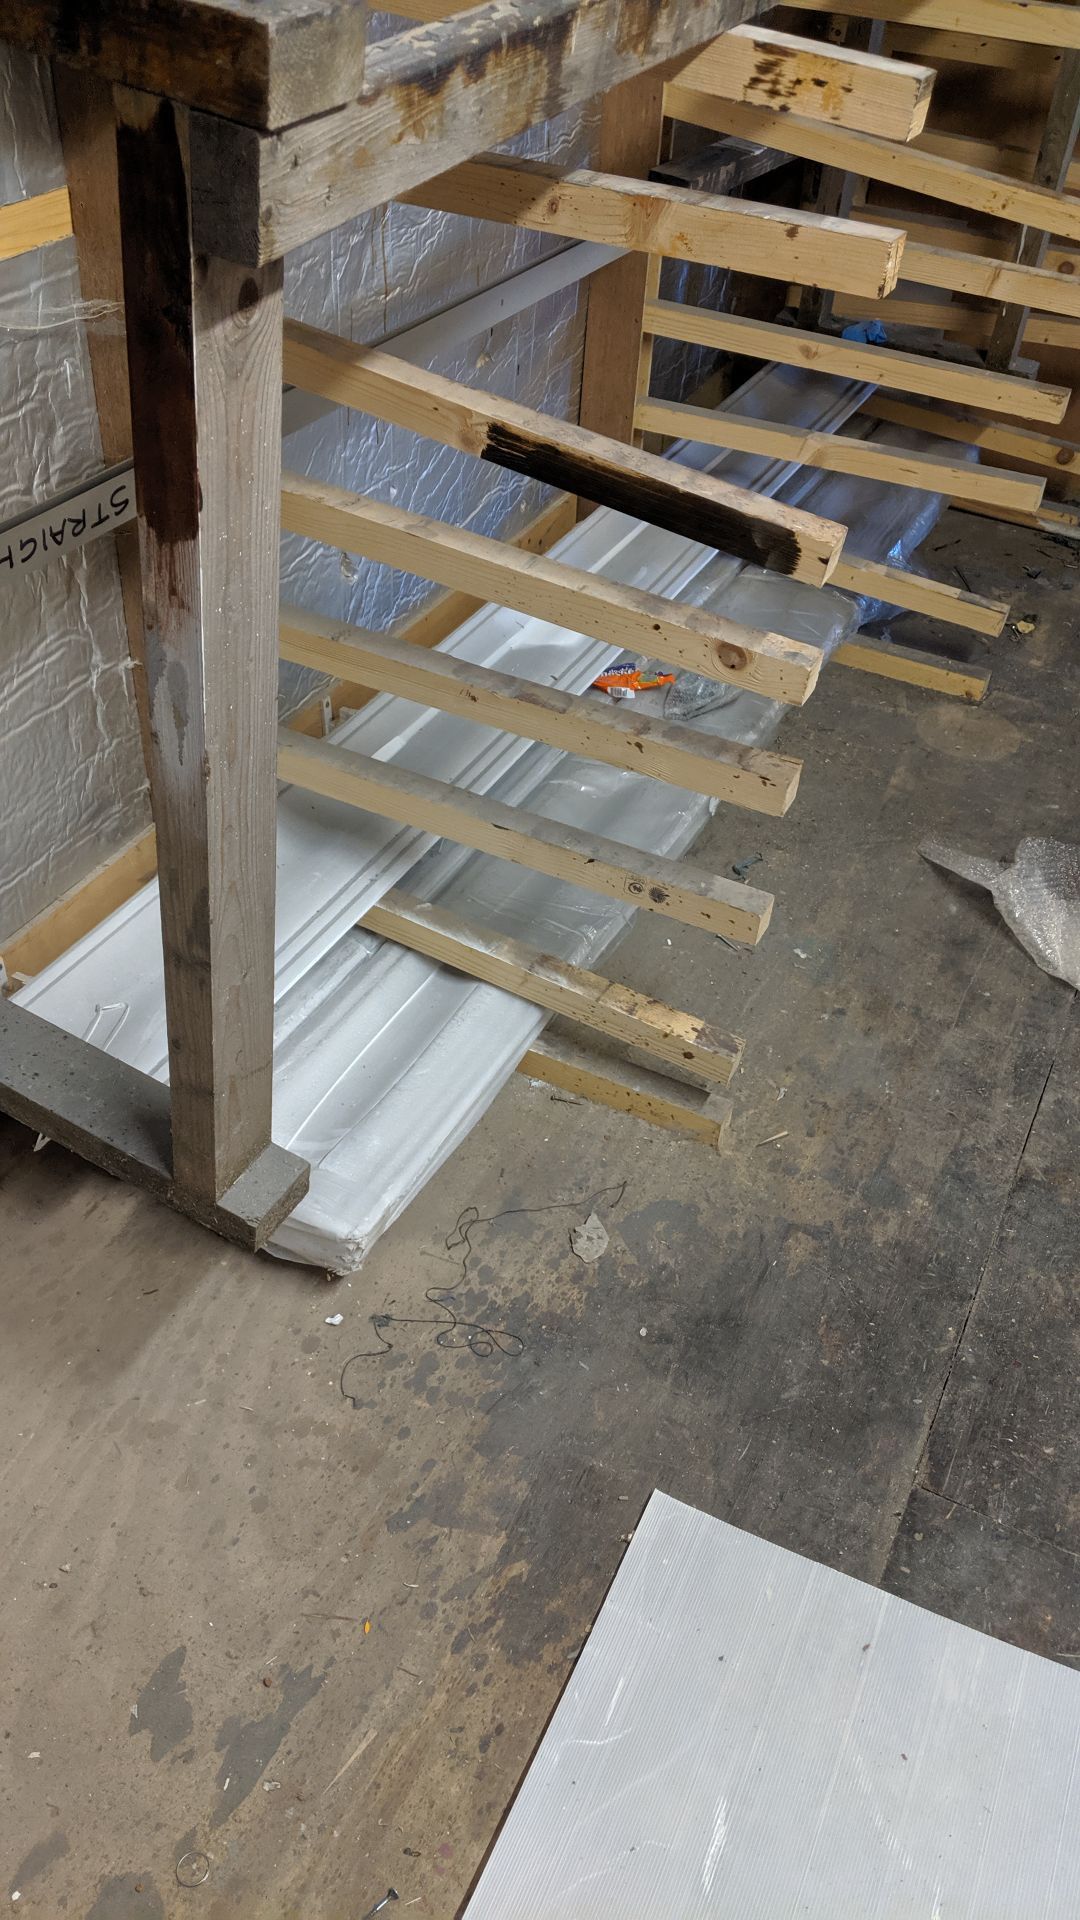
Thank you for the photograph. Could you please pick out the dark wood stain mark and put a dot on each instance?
(658, 501)
(158, 279)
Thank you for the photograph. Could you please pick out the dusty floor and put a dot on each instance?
(859, 1340)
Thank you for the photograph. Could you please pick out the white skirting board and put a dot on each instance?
(749, 1734)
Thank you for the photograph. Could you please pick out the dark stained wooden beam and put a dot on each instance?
(432, 97)
(262, 62)
(695, 505)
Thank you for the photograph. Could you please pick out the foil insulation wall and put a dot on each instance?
(72, 784)
(72, 781)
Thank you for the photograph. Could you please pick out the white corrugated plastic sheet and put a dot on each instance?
(750, 1735)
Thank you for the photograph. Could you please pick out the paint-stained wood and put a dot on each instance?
(432, 96)
(680, 223)
(1042, 23)
(204, 346)
(595, 728)
(899, 165)
(674, 888)
(853, 360)
(843, 453)
(692, 505)
(264, 64)
(621, 616)
(605, 1006)
(790, 74)
(606, 1081)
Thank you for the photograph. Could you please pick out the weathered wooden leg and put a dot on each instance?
(204, 354)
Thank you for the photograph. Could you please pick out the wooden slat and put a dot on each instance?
(970, 49)
(840, 84)
(606, 1081)
(431, 97)
(36, 222)
(604, 1006)
(908, 167)
(914, 669)
(80, 909)
(885, 366)
(674, 888)
(1051, 170)
(264, 65)
(918, 595)
(843, 453)
(439, 616)
(1013, 443)
(616, 735)
(694, 506)
(682, 224)
(584, 602)
(204, 344)
(968, 271)
(1042, 23)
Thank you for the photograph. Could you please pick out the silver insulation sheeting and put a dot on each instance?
(748, 1733)
(72, 784)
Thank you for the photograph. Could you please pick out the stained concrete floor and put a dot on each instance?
(859, 1339)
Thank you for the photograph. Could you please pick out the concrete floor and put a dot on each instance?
(859, 1340)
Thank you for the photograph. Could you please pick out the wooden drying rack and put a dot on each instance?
(203, 140)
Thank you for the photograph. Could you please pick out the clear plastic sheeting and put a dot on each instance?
(72, 783)
(1037, 895)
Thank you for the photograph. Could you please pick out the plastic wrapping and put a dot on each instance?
(1038, 896)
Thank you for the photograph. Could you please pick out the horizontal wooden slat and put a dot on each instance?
(899, 588)
(621, 616)
(815, 78)
(674, 888)
(963, 271)
(914, 669)
(693, 505)
(36, 222)
(971, 49)
(680, 223)
(1042, 23)
(841, 453)
(865, 154)
(634, 1019)
(852, 360)
(1013, 443)
(431, 97)
(616, 735)
(605, 1081)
